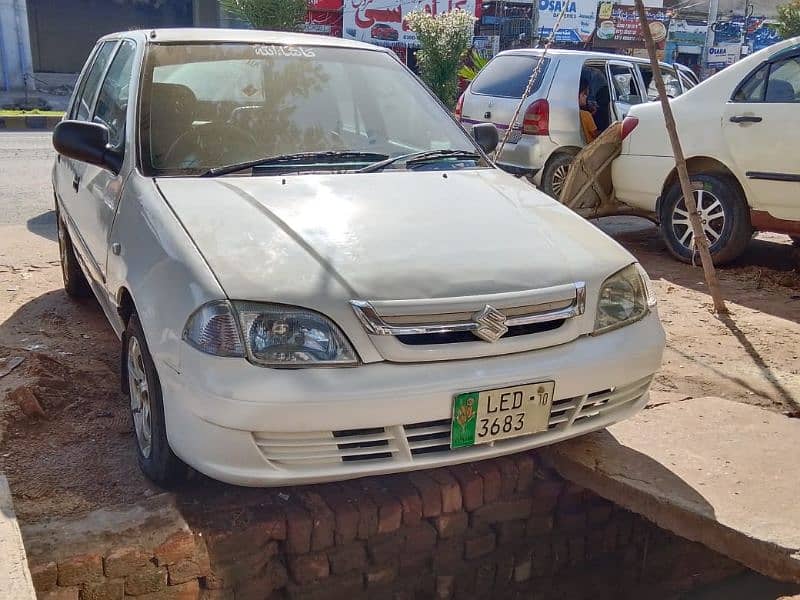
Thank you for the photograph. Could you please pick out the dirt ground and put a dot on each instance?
(80, 455)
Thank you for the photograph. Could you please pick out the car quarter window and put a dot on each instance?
(112, 102)
(91, 81)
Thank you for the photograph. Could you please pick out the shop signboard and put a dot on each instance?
(577, 24)
(618, 26)
(382, 22)
(687, 32)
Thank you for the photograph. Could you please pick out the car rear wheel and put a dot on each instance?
(75, 283)
(155, 457)
(555, 174)
(723, 213)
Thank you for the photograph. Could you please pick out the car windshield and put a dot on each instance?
(211, 105)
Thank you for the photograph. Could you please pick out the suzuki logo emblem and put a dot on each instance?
(491, 324)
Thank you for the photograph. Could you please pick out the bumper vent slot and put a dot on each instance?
(428, 437)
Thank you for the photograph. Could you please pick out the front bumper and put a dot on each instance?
(262, 427)
(638, 179)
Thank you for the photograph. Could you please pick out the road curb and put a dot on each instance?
(15, 577)
(28, 122)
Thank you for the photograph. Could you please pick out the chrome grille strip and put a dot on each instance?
(375, 324)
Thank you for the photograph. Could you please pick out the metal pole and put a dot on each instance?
(713, 9)
(534, 23)
(700, 239)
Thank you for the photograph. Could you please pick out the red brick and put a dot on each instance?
(44, 576)
(183, 571)
(509, 473)
(385, 548)
(508, 510)
(452, 524)
(208, 594)
(261, 585)
(146, 581)
(60, 593)
(572, 497)
(539, 524)
(346, 558)
(390, 511)
(510, 531)
(471, 485)
(339, 587)
(381, 576)
(545, 496)
(429, 492)
(449, 489)
(299, 526)
(445, 586)
(124, 561)
(402, 489)
(323, 520)
(109, 589)
(345, 514)
(367, 511)
(185, 591)
(449, 556)
(600, 514)
(273, 524)
(479, 546)
(420, 539)
(309, 567)
(492, 480)
(86, 568)
(526, 466)
(177, 547)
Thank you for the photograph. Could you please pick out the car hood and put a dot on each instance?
(386, 236)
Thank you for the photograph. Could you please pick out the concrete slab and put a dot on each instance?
(721, 473)
(15, 578)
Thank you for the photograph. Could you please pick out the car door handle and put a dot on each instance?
(745, 119)
(76, 182)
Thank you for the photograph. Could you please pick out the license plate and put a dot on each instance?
(487, 416)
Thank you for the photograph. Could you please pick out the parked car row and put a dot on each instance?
(739, 131)
(317, 274)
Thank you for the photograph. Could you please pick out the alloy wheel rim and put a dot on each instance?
(559, 177)
(140, 397)
(712, 218)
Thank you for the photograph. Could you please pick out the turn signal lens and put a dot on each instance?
(212, 329)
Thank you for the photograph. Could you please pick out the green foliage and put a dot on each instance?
(443, 39)
(789, 19)
(278, 15)
(469, 72)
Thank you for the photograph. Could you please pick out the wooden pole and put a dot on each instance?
(700, 238)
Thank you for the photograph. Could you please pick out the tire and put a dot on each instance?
(725, 213)
(75, 283)
(143, 387)
(555, 173)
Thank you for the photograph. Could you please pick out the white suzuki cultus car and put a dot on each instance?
(317, 274)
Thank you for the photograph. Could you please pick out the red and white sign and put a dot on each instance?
(382, 22)
(332, 5)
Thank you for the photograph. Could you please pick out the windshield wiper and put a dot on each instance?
(418, 157)
(331, 156)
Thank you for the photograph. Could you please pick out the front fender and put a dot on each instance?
(159, 265)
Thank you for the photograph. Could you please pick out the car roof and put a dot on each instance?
(582, 54)
(248, 36)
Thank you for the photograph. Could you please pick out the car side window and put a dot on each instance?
(112, 102)
(670, 82)
(625, 84)
(90, 83)
(752, 90)
(783, 85)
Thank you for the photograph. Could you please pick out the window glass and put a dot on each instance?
(215, 104)
(625, 84)
(112, 103)
(784, 81)
(671, 82)
(507, 76)
(688, 82)
(752, 90)
(85, 99)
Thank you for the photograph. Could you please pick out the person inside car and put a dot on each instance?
(588, 126)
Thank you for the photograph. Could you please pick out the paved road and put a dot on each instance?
(26, 196)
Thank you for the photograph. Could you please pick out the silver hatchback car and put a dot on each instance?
(543, 144)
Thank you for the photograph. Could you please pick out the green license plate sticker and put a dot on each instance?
(465, 419)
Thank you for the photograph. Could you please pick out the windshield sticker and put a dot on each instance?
(297, 51)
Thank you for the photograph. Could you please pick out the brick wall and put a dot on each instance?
(505, 528)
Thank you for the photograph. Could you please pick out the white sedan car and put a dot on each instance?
(317, 274)
(739, 131)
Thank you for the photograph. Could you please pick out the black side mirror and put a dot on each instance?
(486, 136)
(86, 142)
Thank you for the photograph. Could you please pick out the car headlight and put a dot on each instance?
(625, 297)
(270, 335)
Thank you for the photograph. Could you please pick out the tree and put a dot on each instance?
(789, 19)
(473, 65)
(278, 15)
(443, 40)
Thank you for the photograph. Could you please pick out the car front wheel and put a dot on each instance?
(154, 454)
(724, 216)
